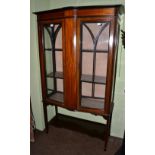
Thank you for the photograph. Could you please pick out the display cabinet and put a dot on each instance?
(78, 51)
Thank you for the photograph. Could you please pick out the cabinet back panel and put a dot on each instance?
(59, 61)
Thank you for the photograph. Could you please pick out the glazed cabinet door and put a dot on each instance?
(52, 60)
(95, 54)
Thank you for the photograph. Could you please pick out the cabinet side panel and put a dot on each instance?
(115, 63)
(111, 67)
(70, 77)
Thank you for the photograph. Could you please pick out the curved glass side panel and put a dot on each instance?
(54, 61)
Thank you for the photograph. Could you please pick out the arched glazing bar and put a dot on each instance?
(90, 32)
(94, 55)
(95, 40)
(53, 35)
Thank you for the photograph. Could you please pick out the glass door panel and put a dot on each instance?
(54, 61)
(94, 56)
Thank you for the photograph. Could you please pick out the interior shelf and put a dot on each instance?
(84, 77)
(97, 51)
(50, 49)
(57, 75)
(97, 79)
(57, 97)
(92, 103)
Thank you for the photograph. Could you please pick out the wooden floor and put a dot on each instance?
(68, 136)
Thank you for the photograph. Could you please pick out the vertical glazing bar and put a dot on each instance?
(94, 64)
(94, 68)
(94, 55)
(94, 59)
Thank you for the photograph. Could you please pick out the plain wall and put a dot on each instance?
(35, 83)
(118, 120)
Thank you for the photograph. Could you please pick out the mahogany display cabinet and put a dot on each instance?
(78, 51)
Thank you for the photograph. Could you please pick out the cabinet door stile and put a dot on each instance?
(63, 57)
(78, 64)
(70, 73)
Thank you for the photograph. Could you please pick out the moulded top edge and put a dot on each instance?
(79, 7)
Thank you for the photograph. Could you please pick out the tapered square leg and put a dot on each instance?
(45, 118)
(56, 110)
(107, 132)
